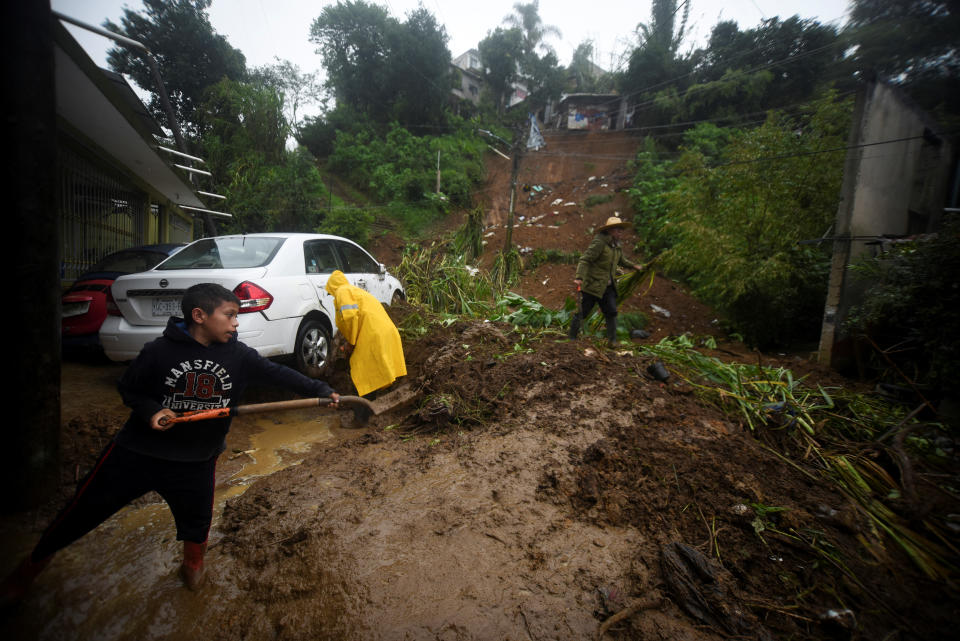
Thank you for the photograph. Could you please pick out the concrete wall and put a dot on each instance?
(895, 182)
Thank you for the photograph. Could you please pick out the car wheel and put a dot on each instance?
(397, 298)
(313, 349)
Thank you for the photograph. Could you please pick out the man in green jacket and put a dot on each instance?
(596, 274)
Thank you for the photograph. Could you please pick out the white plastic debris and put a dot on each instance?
(844, 618)
(569, 204)
(659, 310)
(556, 202)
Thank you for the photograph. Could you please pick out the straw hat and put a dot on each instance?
(612, 222)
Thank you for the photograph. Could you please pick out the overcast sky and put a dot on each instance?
(268, 29)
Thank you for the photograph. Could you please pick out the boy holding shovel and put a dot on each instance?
(197, 364)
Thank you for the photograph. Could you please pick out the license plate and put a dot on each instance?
(75, 309)
(166, 307)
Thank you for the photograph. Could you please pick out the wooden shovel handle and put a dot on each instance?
(223, 412)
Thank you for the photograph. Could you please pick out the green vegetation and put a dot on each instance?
(823, 433)
(747, 162)
(380, 68)
(729, 223)
(557, 256)
(399, 170)
(597, 199)
(911, 310)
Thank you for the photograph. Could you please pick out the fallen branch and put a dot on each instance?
(635, 606)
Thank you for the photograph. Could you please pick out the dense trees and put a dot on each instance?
(913, 44)
(773, 65)
(383, 68)
(518, 55)
(738, 172)
(655, 61)
(732, 207)
(235, 119)
(501, 52)
(190, 55)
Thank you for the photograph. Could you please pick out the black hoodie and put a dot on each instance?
(178, 373)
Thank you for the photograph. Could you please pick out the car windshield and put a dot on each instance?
(225, 253)
(129, 261)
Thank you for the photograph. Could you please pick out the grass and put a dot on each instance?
(826, 431)
(444, 283)
(597, 199)
(821, 432)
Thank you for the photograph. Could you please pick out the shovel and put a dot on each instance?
(362, 408)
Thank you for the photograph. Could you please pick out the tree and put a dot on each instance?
(778, 64)
(191, 56)
(268, 188)
(526, 18)
(926, 57)
(382, 68)
(800, 54)
(655, 61)
(501, 52)
(734, 224)
(351, 39)
(538, 67)
(295, 88)
(545, 80)
(582, 73)
(421, 69)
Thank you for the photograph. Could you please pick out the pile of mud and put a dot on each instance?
(539, 487)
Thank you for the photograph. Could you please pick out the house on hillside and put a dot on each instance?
(470, 70)
(116, 185)
(591, 112)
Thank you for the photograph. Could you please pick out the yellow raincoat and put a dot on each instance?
(377, 358)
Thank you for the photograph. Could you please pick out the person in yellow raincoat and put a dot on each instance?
(377, 358)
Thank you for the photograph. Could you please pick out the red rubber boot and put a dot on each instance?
(191, 570)
(15, 586)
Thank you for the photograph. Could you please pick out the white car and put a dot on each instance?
(279, 278)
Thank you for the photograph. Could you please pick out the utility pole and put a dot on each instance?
(517, 147)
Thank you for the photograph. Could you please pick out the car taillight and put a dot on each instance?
(112, 309)
(253, 298)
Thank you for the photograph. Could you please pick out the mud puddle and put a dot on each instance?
(121, 580)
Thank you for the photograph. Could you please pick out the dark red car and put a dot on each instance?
(84, 305)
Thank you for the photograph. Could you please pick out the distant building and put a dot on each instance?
(590, 111)
(470, 69)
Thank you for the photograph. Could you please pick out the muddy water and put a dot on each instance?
(121, 581)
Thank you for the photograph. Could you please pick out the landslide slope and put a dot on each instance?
(533, 492)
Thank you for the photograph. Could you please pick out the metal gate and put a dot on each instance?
(100, 212)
